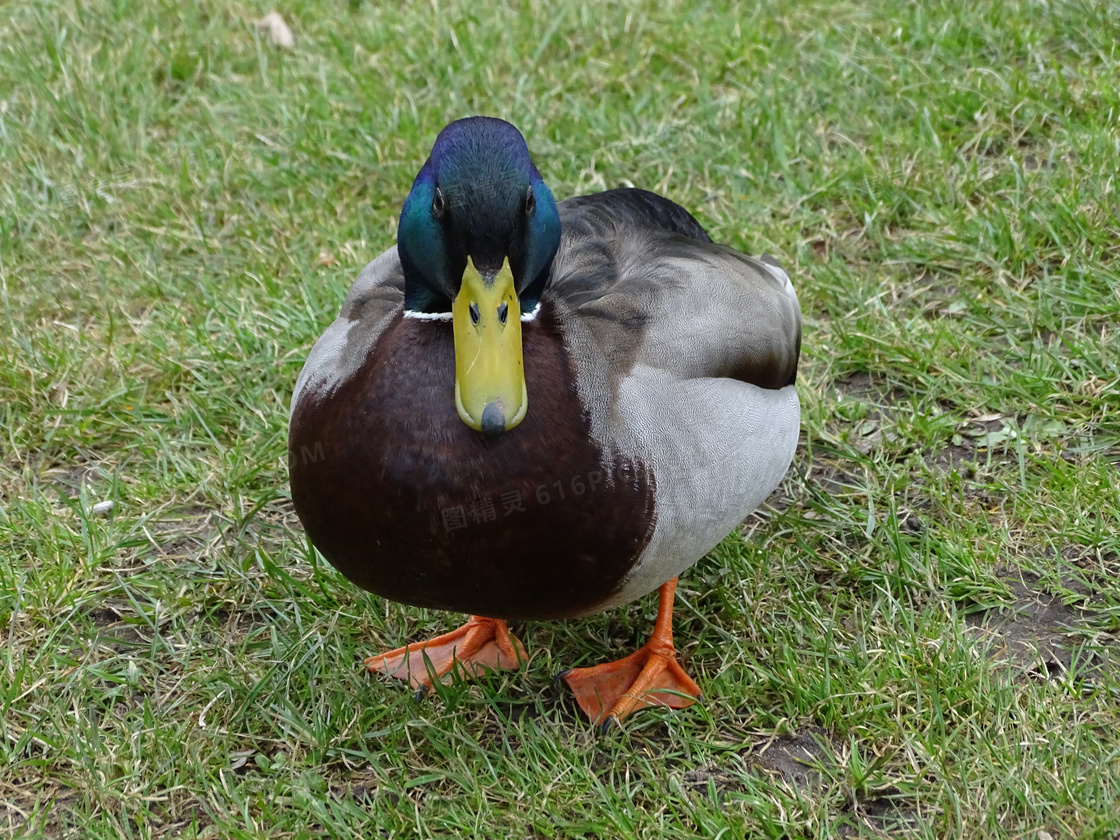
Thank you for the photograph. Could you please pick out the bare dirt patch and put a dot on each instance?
(864, 387)
(870, 403)
(186, 533)
(111, 628)
(71, 478)
(806, 760)
(1040, 633)
(793, 756)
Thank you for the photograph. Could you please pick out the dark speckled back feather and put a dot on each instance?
(640, 208)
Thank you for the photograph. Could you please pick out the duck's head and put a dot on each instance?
(476, 239)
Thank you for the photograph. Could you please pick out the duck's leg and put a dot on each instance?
(479, 644)
(651, 676)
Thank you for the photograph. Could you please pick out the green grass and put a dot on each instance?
(182, 208)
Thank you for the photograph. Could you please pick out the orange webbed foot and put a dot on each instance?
(651, 676)
(480, 644)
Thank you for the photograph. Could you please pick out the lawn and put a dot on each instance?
(918, 636)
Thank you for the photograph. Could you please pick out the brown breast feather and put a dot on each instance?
(408, 502)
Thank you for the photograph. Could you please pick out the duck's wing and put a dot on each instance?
(649, 285)
(375, 298)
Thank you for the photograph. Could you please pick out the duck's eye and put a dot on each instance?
(503, 312)
(439, 204)
(475, 314)
(530, 203)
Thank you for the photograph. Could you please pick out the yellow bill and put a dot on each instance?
(490, 393)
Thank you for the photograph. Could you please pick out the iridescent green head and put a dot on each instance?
(476, 239)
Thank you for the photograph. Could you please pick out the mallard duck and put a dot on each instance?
(532, 410)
